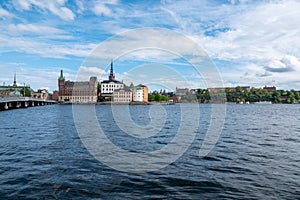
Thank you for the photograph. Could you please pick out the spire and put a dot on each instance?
(15, 80)
(111, 74)
(61, 75)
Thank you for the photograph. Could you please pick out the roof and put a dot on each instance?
(111, 81)
(141, 85)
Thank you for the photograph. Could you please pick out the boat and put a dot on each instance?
(263, 102)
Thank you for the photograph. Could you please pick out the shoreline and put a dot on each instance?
(172, 103)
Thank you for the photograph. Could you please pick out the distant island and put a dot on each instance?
(238, 94)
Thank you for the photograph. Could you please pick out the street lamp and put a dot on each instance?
(24, 90)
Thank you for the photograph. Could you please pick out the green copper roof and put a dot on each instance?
(61, 77)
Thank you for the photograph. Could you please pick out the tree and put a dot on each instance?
(150, 97)
(276, 97)
(238, 89)
(27, 92)
(157, 97)
(291, 97)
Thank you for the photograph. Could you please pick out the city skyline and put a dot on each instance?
(251, 43)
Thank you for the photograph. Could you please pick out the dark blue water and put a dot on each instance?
(256, 157)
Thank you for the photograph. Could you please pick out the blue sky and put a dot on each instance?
(252, 43)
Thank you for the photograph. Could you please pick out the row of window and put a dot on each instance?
(122, 96)
(112, 85)
(122, 100)
(75, 98)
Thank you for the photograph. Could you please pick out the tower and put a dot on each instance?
(111, 76)
(15, 80)
(61, 84)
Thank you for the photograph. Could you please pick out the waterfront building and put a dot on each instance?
(270, 89)
(40, 94)
(122, 96)
(181, 92)
(14, 90)
(110, 85)
(140, 93)
(137, 93)
(54, 95)
(77, 92)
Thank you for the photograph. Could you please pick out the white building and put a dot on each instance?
(140, 93)
(110, 85)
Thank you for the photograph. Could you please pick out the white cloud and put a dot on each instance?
(259, 31)
(262, 34)
(80, 6)
(103, 7)
(56, 7)
(148, 45)
(4, 13)
(44, 49)
(33, 28)
(277, 73)
(84, 73)
(265, 32)
(261, 37)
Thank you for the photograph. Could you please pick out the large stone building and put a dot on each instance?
(77, 92)
(110, 85)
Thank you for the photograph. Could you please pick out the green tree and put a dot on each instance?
(27, 92)
(164, 98)
(150, 97)
(156, 97)
(291, 97)
(276, 97)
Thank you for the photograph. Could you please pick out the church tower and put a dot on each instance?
(15, 80)
(61, 84)
(111, 76)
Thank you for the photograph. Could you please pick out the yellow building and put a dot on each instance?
(140, 93)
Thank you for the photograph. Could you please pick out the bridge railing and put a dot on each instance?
(6, 99)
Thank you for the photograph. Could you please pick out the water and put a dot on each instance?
(256, 157)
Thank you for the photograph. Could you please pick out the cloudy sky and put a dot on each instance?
(252, 43)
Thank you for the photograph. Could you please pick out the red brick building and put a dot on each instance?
(77, 92)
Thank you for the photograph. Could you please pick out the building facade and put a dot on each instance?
(77, 92)
(270, 89)
(40, 94)
(132, 94)
(140, 94)
(122, 96)
(109, 86)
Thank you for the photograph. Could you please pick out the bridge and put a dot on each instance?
(7, 103)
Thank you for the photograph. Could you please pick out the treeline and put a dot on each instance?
(238, 94)
(260, 94)
(157, 97)
(255, 95)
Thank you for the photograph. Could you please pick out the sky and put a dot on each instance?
(250, 43)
